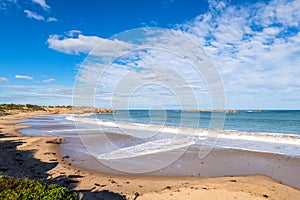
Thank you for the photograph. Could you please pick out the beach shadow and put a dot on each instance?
(102, 195)
(2, 134)
(86, 194)
(22, 164)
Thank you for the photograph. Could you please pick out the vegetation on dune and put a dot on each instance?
(11, 188)
(12, 106)
(6, 109)
(34, 107)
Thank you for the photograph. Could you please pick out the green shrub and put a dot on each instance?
(20, 107)
(34, 107)
(11, 107)
(12, 189)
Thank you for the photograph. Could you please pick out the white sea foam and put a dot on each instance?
(169, 138)
(201, 133)
(280, 138)
(155, 146)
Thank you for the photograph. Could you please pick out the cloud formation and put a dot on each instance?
(49, 80)
(5, 6)
(24, 77)
(42, 3)
(73, 43)
(40, 95)
(149, 65)
(52, 19)
(256, 48)
(4, 80)
(33, 15)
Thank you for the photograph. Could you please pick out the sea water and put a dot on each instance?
(145, 132)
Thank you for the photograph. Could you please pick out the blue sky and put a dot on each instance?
(255, 45)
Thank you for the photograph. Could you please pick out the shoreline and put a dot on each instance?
(46, 163)
(219, 163)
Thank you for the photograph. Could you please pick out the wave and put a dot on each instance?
(283, 138)
(138, 130)
(152, 147)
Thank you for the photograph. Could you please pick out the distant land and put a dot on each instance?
(10, 109)
(226, 111)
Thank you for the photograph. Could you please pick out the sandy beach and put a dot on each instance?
(40, 158)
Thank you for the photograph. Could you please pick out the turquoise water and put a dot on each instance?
(271, 121)
(145, 132)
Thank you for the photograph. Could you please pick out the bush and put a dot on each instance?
(34, 107)
(11, 188)
(11, 107)
(20, 107)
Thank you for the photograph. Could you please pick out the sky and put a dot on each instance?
(254, 45)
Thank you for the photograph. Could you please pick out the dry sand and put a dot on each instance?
(40, 158)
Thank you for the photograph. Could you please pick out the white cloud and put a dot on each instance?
(24, 77)
(74, 42)
(73, 33)
(33, 15)
(256, 49)
(42, 3)
(146, 59)
(3, 80)
(52, 19)
(253, 46)
(79, 44)
(6, 4)
(40, 95)
(49, 80)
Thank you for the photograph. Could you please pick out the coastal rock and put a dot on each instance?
(84, 110)
(210, 111)
(103, 110)
(231, 111)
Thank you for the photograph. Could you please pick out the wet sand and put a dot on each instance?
(40, 158)
(220, 162)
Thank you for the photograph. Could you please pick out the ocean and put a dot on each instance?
(174, 143)
(146, 132)
(272, 121)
